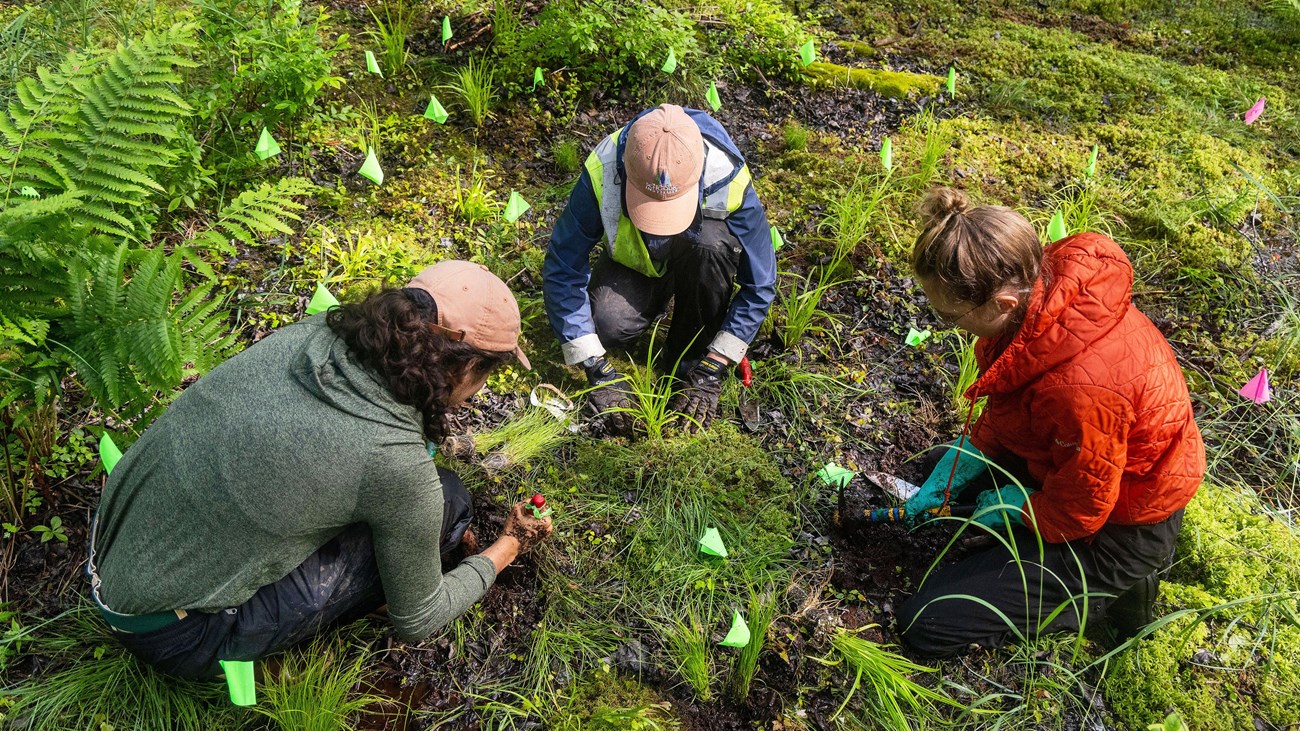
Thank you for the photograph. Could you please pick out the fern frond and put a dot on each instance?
(252, 214)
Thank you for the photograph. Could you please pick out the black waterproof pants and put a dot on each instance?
(337, 584)
(994, 598)
(701, 272)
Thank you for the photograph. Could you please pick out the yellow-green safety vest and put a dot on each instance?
(624, 240)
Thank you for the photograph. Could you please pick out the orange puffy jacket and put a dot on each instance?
(1088, 392)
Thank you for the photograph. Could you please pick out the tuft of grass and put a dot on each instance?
(800, 393)
(391, 32)
(688, 645)
(795, 136)
(963, 349)
(567, 155)
(935, 141)
(476, 87)
(474, 201)
(890, 696)
(799, 308)
(313, 690)
(88, 681)
(522, 439)
(762, 611)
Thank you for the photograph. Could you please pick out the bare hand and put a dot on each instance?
(523, 527)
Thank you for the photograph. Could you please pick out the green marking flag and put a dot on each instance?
(833, 474)
(887, 153)
(266, 146)
(1056, 228)
(808, 52)
(738, 635)
(1091, 170)
(370, 168)
(715, 102)
(538, 79)
(952, 81)
(372, 65)
(711, 544)
(29, 191)
(515, 207)
(670, 64)
(239, 680)
(109, 454)
(435, 111)
(916, 337)
(446, 29)
(321, 300)
(777, 241)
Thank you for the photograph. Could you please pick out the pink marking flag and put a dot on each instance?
(1256, 389)
(1253, 113)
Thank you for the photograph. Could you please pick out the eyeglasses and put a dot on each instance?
(950, 319)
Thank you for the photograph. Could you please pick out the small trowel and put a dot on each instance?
(749, 414)
(895, 486)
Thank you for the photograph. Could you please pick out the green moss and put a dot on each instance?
(896, 84)
(605, 701)
(1226, 553)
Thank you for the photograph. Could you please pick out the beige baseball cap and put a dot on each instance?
(474, 306)
(663, 160)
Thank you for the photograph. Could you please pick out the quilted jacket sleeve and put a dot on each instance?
(1087, 429)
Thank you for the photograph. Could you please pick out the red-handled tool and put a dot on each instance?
(538, 505)
(746, 372)
(749, 415)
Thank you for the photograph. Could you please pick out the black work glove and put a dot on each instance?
(609, 392)
(698, 400)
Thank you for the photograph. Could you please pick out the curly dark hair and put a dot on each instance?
(390, 333)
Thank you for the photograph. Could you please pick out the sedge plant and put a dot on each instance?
(313, 689)
(390, 33)
(889, 694)
(521, 440)
(476, 86)
(762, 611)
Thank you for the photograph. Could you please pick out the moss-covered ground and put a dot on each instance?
(613, 624)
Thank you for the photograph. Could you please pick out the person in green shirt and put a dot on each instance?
(292, 487)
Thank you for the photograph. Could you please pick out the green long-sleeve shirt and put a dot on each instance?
(260, 463)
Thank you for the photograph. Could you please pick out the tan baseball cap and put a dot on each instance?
(474, 306)
(663, 159)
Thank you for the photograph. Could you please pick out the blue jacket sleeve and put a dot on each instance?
(757, 273)
(567, 268)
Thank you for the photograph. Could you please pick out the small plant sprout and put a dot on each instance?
(53, 531)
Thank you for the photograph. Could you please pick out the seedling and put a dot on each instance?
(1257, 388)
(266, 146)
(52, 531)
(321, 300)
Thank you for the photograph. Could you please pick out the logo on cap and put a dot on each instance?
(664, 187)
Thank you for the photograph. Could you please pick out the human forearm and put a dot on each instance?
(503, 552)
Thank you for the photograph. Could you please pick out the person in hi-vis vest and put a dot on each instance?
(670, 196)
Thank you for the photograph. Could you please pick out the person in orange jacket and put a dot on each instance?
(1086, 450)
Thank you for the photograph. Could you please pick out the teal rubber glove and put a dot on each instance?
(930, 496)
(993, 508)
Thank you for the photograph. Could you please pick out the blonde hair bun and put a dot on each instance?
(940, 204)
